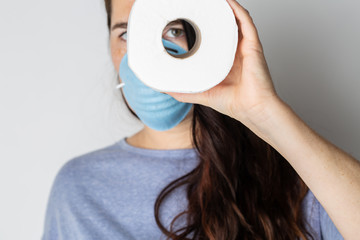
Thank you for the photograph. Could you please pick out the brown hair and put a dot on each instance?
(242, 187)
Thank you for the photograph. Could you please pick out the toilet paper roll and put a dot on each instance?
(204, 66)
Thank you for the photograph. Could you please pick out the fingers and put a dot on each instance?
(188, 97)
(248, 29)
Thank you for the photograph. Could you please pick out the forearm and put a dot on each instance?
(331, 174)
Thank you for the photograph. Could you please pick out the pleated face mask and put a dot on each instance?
(157, 110)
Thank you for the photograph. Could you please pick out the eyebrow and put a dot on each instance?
(119, 25)
(172, 23)
(124, 24)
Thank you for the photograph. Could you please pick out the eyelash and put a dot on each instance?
(122, 34)
(168, 30)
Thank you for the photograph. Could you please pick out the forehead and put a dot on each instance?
(121, 9)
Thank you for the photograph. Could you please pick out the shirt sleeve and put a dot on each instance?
(328, 229)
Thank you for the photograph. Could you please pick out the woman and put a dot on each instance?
(240, 164)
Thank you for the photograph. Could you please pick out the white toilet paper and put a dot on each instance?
(216, 35)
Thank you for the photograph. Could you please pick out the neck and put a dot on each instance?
(179, 137)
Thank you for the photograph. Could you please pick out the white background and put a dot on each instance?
(58, 98)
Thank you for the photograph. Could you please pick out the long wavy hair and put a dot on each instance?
(242, 187)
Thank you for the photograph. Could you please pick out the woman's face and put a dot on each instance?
(174, 32)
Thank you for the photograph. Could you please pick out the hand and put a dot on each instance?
(248, 89)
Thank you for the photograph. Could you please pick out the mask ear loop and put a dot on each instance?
(120, 85)
(122, 94)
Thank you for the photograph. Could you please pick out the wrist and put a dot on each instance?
(266, 119)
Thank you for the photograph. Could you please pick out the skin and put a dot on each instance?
(247, 94)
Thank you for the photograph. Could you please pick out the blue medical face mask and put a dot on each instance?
(157, 110)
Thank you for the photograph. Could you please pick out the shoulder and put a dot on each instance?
(90, 161)
(85, 169)
(74, 188)
(318, 218)
(328, 228)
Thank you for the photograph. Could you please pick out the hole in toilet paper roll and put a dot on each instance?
(184, 33)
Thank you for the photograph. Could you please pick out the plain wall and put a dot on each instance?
(58, 98)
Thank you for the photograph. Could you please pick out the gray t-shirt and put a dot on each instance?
(109, 194)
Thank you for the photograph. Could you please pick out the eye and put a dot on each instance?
(123, 36)
(175, 32)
